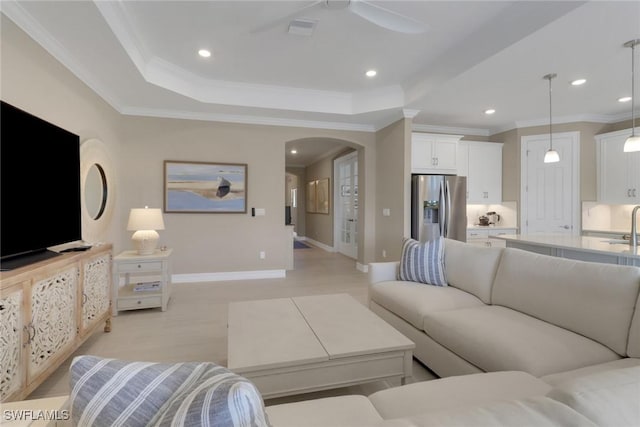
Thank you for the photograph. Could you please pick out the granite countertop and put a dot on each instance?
(593, 244)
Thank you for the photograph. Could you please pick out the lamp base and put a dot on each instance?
(145, 241)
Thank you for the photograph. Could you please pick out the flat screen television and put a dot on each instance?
(39, 187)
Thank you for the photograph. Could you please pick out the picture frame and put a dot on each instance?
(311, 197)
(322, 196)
(205, 187)
(318, 196)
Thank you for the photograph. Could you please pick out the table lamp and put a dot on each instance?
(145, 222)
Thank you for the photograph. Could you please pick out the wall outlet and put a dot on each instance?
(384, 253)
(263, 254)
(386, 212)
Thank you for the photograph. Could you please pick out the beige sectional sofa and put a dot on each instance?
(512, 310)
(509, 399)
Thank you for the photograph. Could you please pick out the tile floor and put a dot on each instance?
(194, 327)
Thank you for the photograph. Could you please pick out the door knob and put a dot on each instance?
(566, 227)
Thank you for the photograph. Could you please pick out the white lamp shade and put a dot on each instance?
(632, 144)
(551, 156)
(145, 219)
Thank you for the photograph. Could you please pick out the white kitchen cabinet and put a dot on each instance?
(434, 153)
(618, 172)
(484, 236)
(481, 163)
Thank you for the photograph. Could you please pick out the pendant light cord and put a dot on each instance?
(550, 115)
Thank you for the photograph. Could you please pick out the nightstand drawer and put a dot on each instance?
(144, 301)
(139, 267)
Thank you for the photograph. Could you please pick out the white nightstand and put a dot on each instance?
(130, 263)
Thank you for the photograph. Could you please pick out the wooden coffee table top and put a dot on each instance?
(295, 331)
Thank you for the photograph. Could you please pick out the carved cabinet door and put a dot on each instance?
(53, 327)
(96, 290)
(12, 345)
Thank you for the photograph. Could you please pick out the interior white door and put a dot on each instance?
(346, 204)
(550, 199)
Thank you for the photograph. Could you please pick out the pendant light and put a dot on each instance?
(633, 142)
(551, 156)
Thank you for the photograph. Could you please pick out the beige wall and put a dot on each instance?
(511, 156)
(138, 146)
(34, 81)
(393, 188)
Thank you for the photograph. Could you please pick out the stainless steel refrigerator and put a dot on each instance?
(438, 207)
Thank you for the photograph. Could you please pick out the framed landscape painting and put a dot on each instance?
(202, 187)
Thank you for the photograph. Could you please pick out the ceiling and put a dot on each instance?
(141, 57)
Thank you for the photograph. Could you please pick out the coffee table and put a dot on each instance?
(302, 344)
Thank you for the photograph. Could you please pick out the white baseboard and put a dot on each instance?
(228, 275)
(320, 245)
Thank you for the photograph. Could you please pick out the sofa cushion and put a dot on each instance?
(339, 411)
(496, 338)
(610, 398)
(411, 301)
(423, 262)
(560, 377)
(471, 268)
(108, 392)
(592, 299)
(455, 392)
(633, 348)
(536, 411)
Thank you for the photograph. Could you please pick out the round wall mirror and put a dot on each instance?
(95, 191)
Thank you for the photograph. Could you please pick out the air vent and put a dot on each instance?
(302, 27)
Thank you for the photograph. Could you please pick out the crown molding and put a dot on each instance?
(450, 130)
(27, 23)
(589, 118)
(409, 113)
(246, 119)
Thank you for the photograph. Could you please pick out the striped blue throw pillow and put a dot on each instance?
(423, 262)
(109, 392)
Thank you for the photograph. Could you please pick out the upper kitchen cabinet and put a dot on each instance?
(434, 153)
(618, 172)
(481, 163)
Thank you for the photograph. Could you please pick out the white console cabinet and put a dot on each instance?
(481, 163)
(47, 310)
(618, 172)
(434, 153)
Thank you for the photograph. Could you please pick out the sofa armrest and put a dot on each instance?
(383, 271)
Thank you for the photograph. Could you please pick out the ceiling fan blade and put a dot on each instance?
(386, 18)
(285, 19)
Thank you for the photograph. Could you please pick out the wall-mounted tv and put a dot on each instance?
(39, 187)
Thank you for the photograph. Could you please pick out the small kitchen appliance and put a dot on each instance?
(493, 217)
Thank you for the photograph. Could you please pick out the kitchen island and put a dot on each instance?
(584, 248)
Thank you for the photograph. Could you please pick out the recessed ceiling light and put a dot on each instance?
(294, 151)
(204, 53)
(371, 73)
(578, 82)
(490, 111)
(624, 99)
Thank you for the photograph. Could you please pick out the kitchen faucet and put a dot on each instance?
(634, 228)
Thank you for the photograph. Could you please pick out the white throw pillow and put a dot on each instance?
(423, 262)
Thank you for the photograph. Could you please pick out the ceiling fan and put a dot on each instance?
(378, 15)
